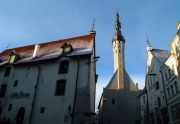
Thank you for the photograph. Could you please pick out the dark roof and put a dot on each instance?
(81, 45)
(161, 55)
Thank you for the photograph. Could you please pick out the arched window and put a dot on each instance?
(159, 101)
(63, 67)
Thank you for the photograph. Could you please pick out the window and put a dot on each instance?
(3, 90)
(166, 76)
(10, 107)
(157, 85)
(113, 101)
(63, 67)
(60, 88)
(144, 100)
(42, 110)
(15, 83)
(169, 72)
(169, 95)
(7, 71)
(159, 101)
(172, 90)
(176, 86)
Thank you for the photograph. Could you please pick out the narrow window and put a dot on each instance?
(42, 110)
(60, 88)
(113, 101)
(63, 67)
(10, 107)
(166, 76)
(159, 101)
(7, 71)
(3, 90)
(169, 95)
(172, 90)
(176, 86)
(144, 100)
(157, 85)
(15, 83)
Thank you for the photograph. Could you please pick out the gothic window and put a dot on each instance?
(113, 101)
(63, 67)
(42, 110)
(7, 71)
(60, 88)
(15, 83)
(10, 107)
(3, 90)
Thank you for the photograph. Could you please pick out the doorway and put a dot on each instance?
(20, 115)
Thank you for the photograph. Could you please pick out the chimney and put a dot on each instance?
(36, 50)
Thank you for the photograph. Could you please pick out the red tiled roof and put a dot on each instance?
(85, 41)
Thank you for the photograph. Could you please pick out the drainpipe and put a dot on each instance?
(75, 93)
(35, 94)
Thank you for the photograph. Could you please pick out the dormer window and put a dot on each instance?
(67, 48)
(13, 57)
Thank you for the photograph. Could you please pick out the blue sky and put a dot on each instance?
(24, 22)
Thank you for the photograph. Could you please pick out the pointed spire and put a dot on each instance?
(149, 47)
(118, 35)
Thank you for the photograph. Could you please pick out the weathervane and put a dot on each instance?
(93, 25)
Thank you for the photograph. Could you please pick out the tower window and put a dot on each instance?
(7, 71)
(15, 83)
(63, 67)
(3, 90)
(60, 88)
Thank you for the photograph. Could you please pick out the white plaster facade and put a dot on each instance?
(37, 86)
(154, 85)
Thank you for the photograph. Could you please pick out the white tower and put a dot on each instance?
(118, 49)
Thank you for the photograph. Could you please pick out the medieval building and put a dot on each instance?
(119, 102)
(49, 83)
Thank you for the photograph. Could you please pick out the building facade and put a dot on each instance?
(154, 85)
(162, 83)
(119, 102)
(48, 83)
(143, 106)
(171, 77)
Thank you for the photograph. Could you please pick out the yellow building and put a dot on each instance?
(171, 78)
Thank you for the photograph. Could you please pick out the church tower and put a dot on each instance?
(118, 49)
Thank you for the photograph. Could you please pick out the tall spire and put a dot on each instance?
(149, 47)
(117, 34)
